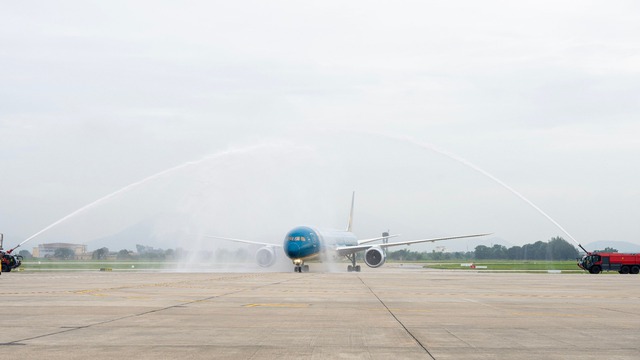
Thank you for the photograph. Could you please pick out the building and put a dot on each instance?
(48, 250)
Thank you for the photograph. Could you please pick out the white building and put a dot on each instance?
(48, 250)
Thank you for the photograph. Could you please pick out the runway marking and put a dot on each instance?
(278, 305)
(92, 292)
(182, 284)
(482, 304)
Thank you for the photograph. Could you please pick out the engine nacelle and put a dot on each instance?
(266, 256)
(374, 257)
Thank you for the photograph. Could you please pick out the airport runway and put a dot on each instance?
(383, 313)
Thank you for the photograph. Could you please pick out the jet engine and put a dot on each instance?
(266, 256)
(374, 257)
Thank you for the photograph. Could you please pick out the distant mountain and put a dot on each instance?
(157, 231)
(140, 233)
(621, 246)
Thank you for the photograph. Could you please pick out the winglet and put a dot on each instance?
(353, 197)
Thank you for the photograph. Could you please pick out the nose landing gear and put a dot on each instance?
(300, 267)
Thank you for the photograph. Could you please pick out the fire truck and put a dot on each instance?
(623, 263)
(9, 261)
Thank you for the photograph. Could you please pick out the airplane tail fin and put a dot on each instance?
(353, 197)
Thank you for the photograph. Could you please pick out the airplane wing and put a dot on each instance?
(364, 241)
(344, 250)
(242, 241)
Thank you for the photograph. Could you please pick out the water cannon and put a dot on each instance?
(583, 249)
(2, 245)
(10, 250)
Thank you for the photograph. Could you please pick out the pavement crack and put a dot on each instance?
(457, 337)
(66, 329)
(398, 320)
(618, 311)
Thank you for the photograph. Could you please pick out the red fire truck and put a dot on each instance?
(601, 261)
(8, 261)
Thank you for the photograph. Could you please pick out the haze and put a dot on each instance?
(313, 100)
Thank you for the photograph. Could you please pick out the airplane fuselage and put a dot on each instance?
(305, 242)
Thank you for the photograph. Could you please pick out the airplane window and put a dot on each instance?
(302, 238)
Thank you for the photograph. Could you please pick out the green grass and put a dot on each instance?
(76, 265)
(508, 265)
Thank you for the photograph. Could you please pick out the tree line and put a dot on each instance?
(555, 249)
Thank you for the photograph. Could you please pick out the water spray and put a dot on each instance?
(233, 151)
(483, 172)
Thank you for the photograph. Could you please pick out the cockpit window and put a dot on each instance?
(297, 238)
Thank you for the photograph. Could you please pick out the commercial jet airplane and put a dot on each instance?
(304, 243)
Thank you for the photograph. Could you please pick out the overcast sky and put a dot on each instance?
(293, 98)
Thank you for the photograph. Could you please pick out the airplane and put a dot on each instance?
(303, 243)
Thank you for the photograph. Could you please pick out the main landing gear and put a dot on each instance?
(353, 267)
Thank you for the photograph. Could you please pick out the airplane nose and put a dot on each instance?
(293, 249)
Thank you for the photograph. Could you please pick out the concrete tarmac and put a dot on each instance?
(391, 312)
